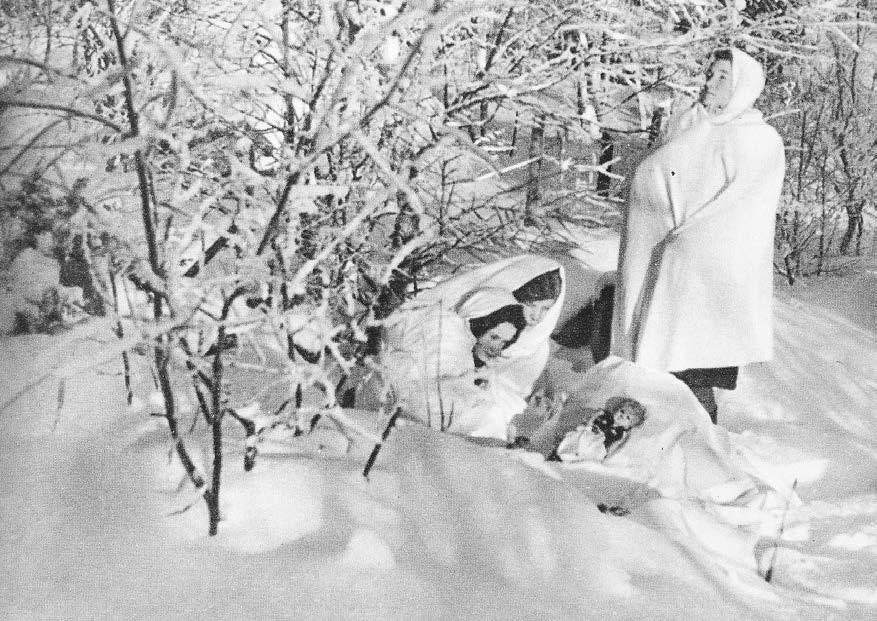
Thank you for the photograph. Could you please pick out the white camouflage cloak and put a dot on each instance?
(428, 362)
(694, 285)
(523, 362)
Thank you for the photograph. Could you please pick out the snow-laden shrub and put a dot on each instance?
(32, 298)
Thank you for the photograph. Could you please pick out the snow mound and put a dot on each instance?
(367, 549)
(256, 518)
(859, 540)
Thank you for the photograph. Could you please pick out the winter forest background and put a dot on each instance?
(242, 190)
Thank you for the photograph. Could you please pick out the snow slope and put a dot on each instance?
(94, 527)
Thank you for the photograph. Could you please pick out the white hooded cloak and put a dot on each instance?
(429, 364)
(523, 362)
(695, 276)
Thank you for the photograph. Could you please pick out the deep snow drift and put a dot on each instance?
(94, 525)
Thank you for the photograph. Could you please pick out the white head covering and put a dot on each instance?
(747, 82)
(508, 274)
(482, 302)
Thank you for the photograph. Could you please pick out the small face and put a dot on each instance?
(534, 312)
(491, 343)
(718, 88)
(624, 417)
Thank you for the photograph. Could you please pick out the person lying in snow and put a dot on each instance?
(538, 284)
(602, 433)
(442, 363)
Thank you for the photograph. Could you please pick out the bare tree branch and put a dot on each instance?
(69, 110)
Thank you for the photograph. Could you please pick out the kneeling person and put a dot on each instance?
(440, 363)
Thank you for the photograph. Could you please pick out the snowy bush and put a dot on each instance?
(824, 108)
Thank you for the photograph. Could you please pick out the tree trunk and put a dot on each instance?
(859, 235)
(607, 154)
(823, 222)
(120, 332)
(405, 228)
(216, 432)
(854, 222)
(537, 147)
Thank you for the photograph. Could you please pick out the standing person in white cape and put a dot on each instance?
(538, 284)
(695, 277)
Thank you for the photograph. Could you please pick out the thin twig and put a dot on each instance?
(42, 105)
(377, 449)
(769, 573)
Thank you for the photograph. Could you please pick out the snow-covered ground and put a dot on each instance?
(93, 526)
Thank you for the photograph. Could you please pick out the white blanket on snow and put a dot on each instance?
(716, 502)
(677, 450)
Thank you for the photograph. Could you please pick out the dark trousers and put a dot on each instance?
(703, 382)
